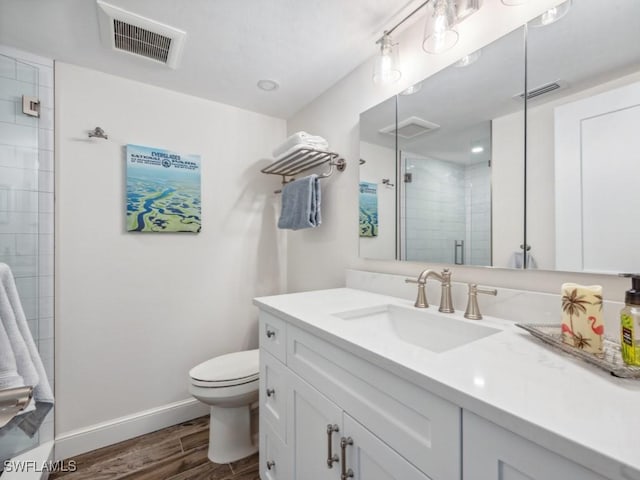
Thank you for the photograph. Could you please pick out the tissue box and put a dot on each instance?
(582, 325)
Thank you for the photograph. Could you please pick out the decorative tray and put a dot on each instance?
(610, 360)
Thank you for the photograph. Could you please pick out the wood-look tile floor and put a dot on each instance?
(175, 453)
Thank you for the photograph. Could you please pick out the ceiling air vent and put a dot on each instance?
(131, 33)
(410, 127)
(541, 90)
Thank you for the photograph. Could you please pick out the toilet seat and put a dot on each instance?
(233, 369)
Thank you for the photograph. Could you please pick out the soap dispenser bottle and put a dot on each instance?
(630, 323)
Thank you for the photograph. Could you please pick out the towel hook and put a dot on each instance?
(98, 133)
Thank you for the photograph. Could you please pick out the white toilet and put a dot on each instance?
(229, 384)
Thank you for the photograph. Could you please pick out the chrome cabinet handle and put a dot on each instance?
(270, 464)
(270, 392)
(271, 333)
(343, 450)
(331, 458)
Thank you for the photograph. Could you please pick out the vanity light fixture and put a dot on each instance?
(464, 8)
(477, 149)
(552, 15)
(440, 34)
(385, 68)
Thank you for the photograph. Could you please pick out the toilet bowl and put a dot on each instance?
(229, 384)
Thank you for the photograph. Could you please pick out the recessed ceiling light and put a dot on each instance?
(552, 15)
(268, 85)
(468, 59)
(412, 89)
(477, 149)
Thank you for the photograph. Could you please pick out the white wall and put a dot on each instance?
(380, 164)
(507, 183)
(136, 311)
(317, 258)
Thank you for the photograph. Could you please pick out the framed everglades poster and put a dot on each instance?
(163, 190)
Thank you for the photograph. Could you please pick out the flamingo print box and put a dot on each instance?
(582, 325)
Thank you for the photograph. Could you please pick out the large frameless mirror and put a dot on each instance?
(460, 132)
(442, 166)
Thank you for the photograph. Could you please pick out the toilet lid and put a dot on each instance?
(233, 368)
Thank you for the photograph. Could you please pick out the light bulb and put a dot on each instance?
(439, 34)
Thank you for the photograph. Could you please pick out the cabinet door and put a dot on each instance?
(308, 416)
(371, 459)
(493, 453)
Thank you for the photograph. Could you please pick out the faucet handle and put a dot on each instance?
(421, 299)
(473, 310)
(446, 303)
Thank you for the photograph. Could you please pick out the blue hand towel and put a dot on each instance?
(301, 204)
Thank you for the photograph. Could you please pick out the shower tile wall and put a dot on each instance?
(26, 196)
(478, 214)
(435, 209)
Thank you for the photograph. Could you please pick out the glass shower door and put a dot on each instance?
(20, 232)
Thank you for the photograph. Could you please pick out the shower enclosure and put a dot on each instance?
(26, 234)
(445, 210)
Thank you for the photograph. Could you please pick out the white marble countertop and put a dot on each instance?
(509, 378)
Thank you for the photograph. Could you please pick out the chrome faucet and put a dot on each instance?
(473, 310)
(446, 304)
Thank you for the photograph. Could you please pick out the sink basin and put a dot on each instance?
(430, 330)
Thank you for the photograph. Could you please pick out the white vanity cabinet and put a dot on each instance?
(493, 453)
(322, 403)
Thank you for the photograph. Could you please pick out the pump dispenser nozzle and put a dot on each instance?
(632, 297)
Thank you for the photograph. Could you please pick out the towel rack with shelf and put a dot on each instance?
(302, 160)
(13, 401)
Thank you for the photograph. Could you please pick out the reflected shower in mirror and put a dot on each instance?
(456, 164)
(583, 163)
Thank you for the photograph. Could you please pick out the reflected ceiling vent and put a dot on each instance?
(131, 33)
(542, 90)
(410, 127)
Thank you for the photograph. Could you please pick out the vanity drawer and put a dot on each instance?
(275, 458)
(273, 394)
(422, 427)
(273, 336)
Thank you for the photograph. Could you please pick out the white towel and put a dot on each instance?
(517, 260)
(295, 148)
(9, 376)
(301, 138)
(25, 353)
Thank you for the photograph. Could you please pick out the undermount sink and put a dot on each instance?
(432, 331)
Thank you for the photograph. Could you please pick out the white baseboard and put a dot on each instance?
(113, 431)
